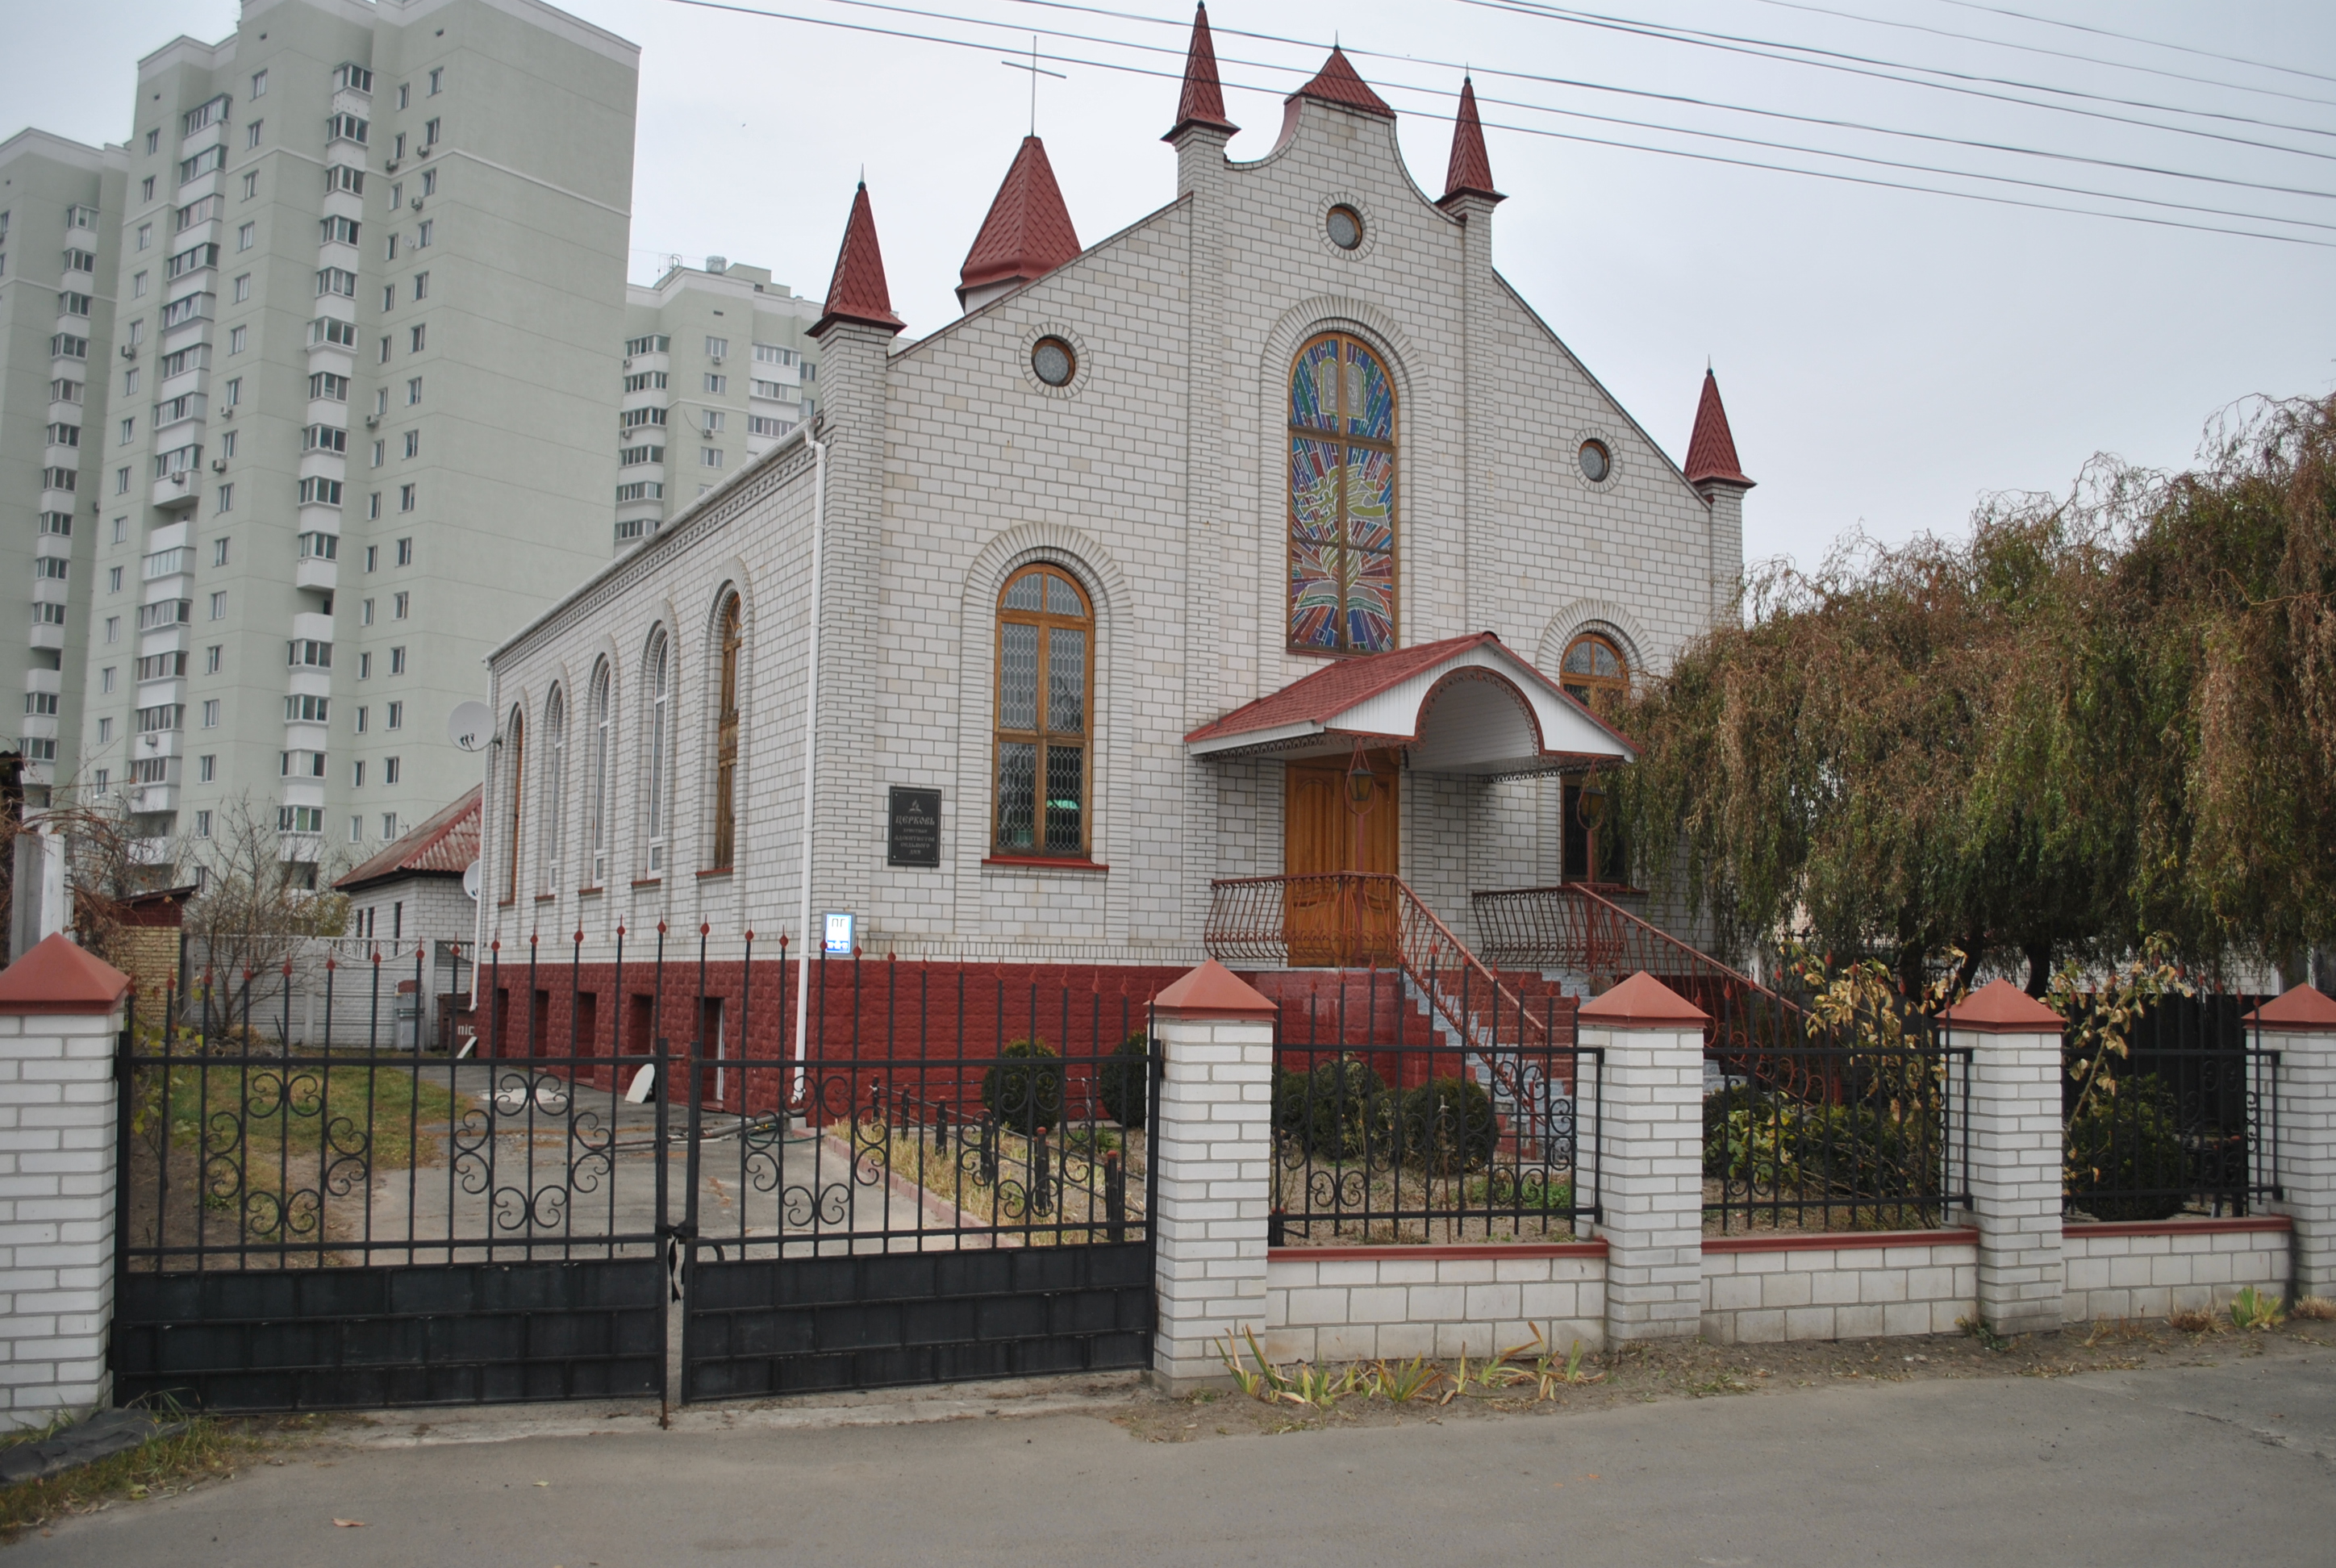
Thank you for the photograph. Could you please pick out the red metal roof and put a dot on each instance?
(1204, 103)
(1337, 83)
(858, 291)
(1641, 1001)
(445, 846)
(1029, 231)
(1215, 991)
(2300, 1009)
(1711, 449)
(2001, 1008)
(58, 976)
(1471, 172)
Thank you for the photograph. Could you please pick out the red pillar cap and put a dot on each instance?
(1642, 1002)
(2001, 1008)
(1215, 991)
(59, 977)
(2303, 1009)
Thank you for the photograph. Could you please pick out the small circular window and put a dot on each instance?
(1346, 228)
(1597, 463)
(1053, 362)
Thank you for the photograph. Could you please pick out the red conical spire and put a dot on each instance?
(1337, 83)
(1711, 449)
(858, 292)
(1204, 103)
(1471, 172)
(1029, 231)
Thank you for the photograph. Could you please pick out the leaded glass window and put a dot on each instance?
(515, 766)
(1045, 670)
(554, 787)
(654, 782)
(1594, 673)
(726, 741)
(597, 833)
(1342, 499)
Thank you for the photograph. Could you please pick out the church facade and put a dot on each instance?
(1273, 534)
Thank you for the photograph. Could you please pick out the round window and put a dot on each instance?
(1054, 361)
(1346, 228)
(1597, 463)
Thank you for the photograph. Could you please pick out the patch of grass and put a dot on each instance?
(1986, 1336)
(296, 1113)
(206, 1448)
(2195, 1321)
(2251, 1308)
(2319, 1308)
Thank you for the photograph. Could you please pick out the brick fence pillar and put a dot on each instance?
(2015, 1170)
(60, 1015)
(1649, 1144)
(1212, 1148)
(2302, 1027)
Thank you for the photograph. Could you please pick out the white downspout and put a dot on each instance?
(810, 750)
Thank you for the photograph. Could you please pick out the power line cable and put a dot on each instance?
(1542, 132)
(2135, 38)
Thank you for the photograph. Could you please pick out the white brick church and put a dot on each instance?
(1273, 534)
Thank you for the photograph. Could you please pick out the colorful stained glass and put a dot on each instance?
(1314, 387)
(1314, 595)
(1370, 399)
(1314, 489)
(1370, 601)
(1370, 498)
(1342, 500)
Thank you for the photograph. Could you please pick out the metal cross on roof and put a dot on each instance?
(1036, 71)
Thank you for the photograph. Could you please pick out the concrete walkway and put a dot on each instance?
(2226, 1463)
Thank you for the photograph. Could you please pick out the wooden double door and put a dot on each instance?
(1326, 829)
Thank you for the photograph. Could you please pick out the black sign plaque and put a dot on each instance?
(913, 831)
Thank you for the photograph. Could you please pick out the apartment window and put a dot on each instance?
(247, 236)
(153, 143)
(212, 656)
(398, 146)
(129, 428)
(716, 382)
(320, 546)
(385, 352)
(78, 304)
(226, 503)
(716, 421)
(336, 280)
(103, 776)
(756, 424)
(325, 329)
(45, 614)
(397, 661)
(211, 713)
(435, 73)
(250, 184)
(373, 556)
(320, 491)
(59, 523)
(219, 605)
(206, 771)
(327, 388)
(300, 820)
(259, 84)
(418, 335)
(395, 717)
(389, 771)
(389, 248)
(363, 714)
(380, 401)
(105, 678)
(242, 288)
(343, 176)
(404, 93)
(412, 444)
(424, 233)
(645, 380)
(146, 188)
(137, 286)
(121, 527)
(655, 343)
(378, 448)
(421, 286)
(398, 605)
(309, 652)
(230, 395)
(357, 781)
(203, 819)
(113, 578)
(251, 133)
(405, 497)
(709, 457)
(121, 485)
(430, 182)
(404, 551)
(130, 376)
(104, 731)
(389, 297)
(365, 613)
(113, 626)
(389, 831)
(238, 338)
(772, 354)
(219, 551)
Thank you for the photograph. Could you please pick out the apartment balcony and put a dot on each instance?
(46, 636)
(301, 848)
(321, 575)
(175, 490)
(156, 851)
(49, 590)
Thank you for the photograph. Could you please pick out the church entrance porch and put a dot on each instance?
(1342, 818)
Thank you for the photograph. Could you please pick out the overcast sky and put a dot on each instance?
(1887, 357)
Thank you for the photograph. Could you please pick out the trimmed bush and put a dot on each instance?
(1124, 1083)
(1449, 1126)
(2130, 1141)
(1023, 1089)
(1335, 1111)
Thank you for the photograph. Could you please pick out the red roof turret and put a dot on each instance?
(1204, 103)
(1029, 231)
(1471, 173)
(1711, 449)
(1337, 83)
(858, 292)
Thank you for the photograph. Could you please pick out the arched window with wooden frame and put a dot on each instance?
(657, 804)
(1595, 674)
(515, 789)
(1342, 499)
(554, 786)
(596, 793)
(1046, 679)
(726, 738)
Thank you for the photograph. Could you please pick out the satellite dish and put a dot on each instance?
(471, 881)
(472, 725)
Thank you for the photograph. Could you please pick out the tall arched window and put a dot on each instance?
(1342, 499)
(554, 787)
(726, 741)
(1594, 673)
(1046, 668)
(658, 688)
(596, 798)
(515, 774)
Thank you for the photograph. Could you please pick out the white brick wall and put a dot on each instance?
(2015, 1178)
(1648, 1134)
(2307, 1152)
(1211, 1137)
(57, 1177)
(1361, 1303)
(2146, 1271)
(1758, 1290)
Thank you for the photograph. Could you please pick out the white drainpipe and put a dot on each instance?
(810, 750)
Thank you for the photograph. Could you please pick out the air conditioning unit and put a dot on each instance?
(390, 167)
(373, 421)
(128, 351)
(218, 465)
(226, 414)
(416, 204)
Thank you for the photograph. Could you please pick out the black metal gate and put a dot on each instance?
(528, 1213)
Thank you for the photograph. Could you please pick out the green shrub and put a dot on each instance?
(1335, 1111)
(1023, 1089)
(2118, 1143)
(1124, 1083)
(1770, 1142)
(1449, 1126)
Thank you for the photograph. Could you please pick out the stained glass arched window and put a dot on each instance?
(1342, 499)
(1045, 670)
(726, 741)
(1594, 673)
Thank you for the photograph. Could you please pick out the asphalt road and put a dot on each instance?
(2232, 1463)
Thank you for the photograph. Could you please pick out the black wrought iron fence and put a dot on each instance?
(1389, 1127)
(2184, 1121)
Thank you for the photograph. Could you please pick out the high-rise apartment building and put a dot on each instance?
(366, 262)
(718, 366)
(59, 227)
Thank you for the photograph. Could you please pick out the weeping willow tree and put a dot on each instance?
(2097, 717)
